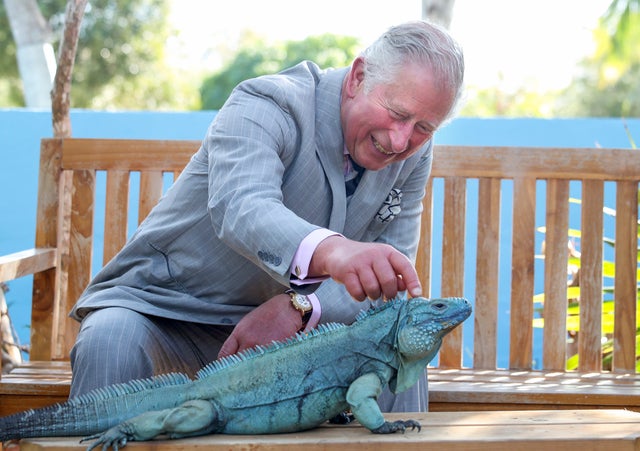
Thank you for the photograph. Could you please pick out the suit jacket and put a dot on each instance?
(269, 171)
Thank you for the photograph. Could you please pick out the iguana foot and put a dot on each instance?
(394, 426)
(342, 418)
(114, 438)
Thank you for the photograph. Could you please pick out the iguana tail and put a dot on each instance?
(97, 410)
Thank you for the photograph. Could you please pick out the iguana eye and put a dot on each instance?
(439, 306)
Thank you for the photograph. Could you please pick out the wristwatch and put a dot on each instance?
(301, 303)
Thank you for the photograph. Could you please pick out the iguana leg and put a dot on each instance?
(195, 417)
(362, 397)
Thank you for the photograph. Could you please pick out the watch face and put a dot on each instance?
(303, 302)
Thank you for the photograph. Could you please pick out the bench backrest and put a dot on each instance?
(66, 200)
(65, 214)
(532, 173)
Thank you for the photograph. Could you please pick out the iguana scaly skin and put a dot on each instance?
(284, 387)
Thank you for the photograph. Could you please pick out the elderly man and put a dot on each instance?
(302, 206)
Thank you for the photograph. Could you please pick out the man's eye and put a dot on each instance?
(396, 115)
(424, 130)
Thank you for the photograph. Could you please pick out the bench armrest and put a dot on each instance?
(23, 263)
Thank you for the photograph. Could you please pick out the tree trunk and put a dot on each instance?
(438, 11)
(35, 56)
(61, 94)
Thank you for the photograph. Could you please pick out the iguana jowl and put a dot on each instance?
(283, 387)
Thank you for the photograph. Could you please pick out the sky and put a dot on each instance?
(508, 43)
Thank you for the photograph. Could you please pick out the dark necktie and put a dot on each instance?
(353, 174)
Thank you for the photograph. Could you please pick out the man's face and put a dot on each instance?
(392, 121)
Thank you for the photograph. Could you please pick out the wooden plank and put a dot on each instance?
(128, 154)
(555, 275)
(423, 256)
(575, 430)
(590, 277)
(487, 269)
(538, 162)
(625, 285)
(115, 217)
(453, 240)
(43, 291)
(470, 389)
(150, 192)
(78, 260)
(522, 265)
(31, 261)
(34, 384)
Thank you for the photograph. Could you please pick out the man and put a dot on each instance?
(264, 207)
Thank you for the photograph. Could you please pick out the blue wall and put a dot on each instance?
(21, 131)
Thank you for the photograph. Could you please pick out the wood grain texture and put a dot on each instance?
(458, 431)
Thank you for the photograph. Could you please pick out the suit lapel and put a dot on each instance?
(368, 198)
(330, 142)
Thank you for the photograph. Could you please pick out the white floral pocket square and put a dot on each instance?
(390, 207)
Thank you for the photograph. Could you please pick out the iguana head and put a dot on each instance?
(421, 326)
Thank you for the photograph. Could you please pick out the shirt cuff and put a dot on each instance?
(314, 320)
(302, 257)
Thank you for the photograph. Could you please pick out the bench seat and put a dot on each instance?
(568, 430)
(34, 384)
(474, 389)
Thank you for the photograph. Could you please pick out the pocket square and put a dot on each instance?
(390, 207)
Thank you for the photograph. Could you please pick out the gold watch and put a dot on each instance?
(302, 304)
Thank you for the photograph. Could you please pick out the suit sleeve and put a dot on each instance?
(249, 145)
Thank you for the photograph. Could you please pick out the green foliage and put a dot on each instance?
(609, 83)
(120, 58)
(495, 101)
(256, 58)
(608, 304)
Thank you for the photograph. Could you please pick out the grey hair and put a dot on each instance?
(421, 42)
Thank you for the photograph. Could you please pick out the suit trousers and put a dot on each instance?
(116, 345)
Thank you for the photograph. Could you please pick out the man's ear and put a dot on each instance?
(355, 78)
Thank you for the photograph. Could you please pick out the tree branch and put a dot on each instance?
(61, 93)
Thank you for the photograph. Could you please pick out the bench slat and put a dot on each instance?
(555, 275)
(19, 264)
(543, 162)
(522, 264)
(487, 264)
(625, 288)
(453, 241)
(150, 192)
(127, 154)
(115, 217)
(590, 277)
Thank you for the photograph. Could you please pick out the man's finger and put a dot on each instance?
(405, 271)
(229, 347)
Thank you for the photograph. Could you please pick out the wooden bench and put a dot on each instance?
(61, 264)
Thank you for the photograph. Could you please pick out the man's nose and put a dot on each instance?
(400, 136)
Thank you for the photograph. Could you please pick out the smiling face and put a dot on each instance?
(391, 121)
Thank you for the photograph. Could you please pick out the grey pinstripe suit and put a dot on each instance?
(269, 171)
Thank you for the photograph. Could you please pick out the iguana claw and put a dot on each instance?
(390, 427)
(107, 440)
(342, 418)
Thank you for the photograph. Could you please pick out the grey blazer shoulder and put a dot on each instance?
(269, 171)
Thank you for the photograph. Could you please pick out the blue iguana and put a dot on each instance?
(284, 387)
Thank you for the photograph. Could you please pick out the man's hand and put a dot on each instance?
(276, 319)
(366, 269)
